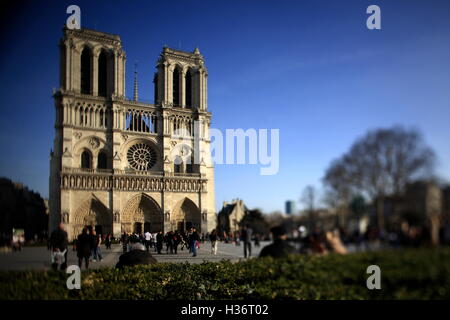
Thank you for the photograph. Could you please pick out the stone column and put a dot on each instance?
(75, 69)
(183, 87)
(116, 81)
(169, 84)
(122, 74)
(94, 74)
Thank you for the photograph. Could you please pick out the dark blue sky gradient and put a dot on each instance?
(309, 68)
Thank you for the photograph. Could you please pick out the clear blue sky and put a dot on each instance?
(309, 68)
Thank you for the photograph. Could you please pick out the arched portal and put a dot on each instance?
(186, 215)
(142, 213)
(92, 214)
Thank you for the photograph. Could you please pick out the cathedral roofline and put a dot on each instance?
(90, 33)
(183, 54)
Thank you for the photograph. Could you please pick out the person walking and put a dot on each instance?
(58, 244)
(108, 242)
(213, 239)
(246, 237)
(97, 249)
(84, 247)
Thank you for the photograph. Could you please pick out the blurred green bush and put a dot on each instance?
(405, 274)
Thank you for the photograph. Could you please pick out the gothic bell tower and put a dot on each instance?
(92, 75)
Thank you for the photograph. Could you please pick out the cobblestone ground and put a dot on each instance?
(38, 258)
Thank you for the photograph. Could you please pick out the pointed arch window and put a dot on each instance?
(86, 160)
(188, 89)
(85, 72)
(102, 73)
(176, 87)
(102, 161)
(178, 165)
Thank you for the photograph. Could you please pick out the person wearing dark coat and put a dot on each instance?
(84, 247)
(124, 239)
(193, 239)
(246, 238)
(59, 242)
(159, 241)
(108, 242)
(136, 256)
(176, 241)
(279, 248)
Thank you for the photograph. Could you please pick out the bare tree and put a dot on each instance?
(308, 198)
(380, 163)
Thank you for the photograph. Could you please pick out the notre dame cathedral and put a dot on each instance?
(122, 165)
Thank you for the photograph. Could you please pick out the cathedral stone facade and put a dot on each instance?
(121, 165)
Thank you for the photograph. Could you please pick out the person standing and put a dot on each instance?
(124, 241)
(152, 240)
(148, 238)
(213, 239)
(256, 237)
(194, 239)
(58, 243)
(159, 242)
(279, 248)
(176, 241)
(94, 245)
(246, 237)
(84, 248)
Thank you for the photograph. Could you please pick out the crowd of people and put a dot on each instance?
(404, 236)
(171, 241)
(87, 244)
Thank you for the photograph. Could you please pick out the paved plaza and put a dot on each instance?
(38, 258)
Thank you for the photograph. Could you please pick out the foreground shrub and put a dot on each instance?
(409, 274)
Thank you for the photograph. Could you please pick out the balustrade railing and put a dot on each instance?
(132, 172)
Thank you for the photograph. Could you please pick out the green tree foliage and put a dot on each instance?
(21, 208)
(256, 220)
(358, 206)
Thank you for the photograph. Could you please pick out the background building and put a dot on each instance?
(290, 207)
(231, 215)
(121, 165)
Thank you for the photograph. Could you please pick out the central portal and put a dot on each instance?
(142, 214)
(186, 216)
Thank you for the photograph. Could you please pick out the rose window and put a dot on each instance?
(141, 157)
